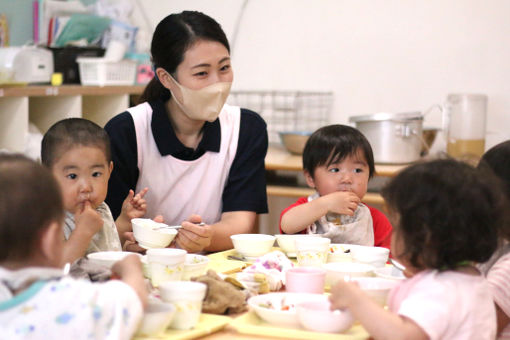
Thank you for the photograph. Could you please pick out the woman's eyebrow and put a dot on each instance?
(208, 65)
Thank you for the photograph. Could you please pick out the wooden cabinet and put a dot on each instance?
(45, 105)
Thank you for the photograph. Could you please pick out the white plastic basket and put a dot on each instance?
(100, 72)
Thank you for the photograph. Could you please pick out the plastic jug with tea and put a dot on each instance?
(466, 116)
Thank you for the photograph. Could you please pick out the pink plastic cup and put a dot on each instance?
(305, 280)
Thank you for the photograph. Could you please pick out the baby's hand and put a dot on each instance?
(343, 202)
(343, 294)
(134, 206)
(127, 264)
(87, 218)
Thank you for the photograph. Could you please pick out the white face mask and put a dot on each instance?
(205, 103)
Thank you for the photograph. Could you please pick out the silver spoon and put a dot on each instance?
(398, 265)
(174, 226)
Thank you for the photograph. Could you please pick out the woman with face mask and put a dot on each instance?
(201, 159)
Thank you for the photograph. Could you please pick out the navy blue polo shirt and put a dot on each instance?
(245, 189)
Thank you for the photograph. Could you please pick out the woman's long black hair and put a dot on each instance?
(172, 38)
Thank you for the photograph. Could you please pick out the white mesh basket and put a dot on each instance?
(100, 72)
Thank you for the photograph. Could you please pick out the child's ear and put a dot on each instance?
(110, 168)
(309, 179)
(52, 243)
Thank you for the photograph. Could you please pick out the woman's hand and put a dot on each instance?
(193, 237)
(130, 243)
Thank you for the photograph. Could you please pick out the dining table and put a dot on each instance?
(246, 325)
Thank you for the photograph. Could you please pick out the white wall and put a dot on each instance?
(379, 55)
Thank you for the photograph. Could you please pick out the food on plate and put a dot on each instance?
(281, 305)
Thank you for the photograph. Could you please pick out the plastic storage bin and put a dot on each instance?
(100, 72)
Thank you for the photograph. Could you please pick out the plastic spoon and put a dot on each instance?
(398, 265)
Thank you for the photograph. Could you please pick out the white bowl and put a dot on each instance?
(390, 273)
(252, 245)
(269, 307)
(157, 317)
(166, 264)
(375, 287)
(336, 271)
(316, 316)
(194, 265)
(312, 251)
(287, 242)
(187, 297)
(375, 256)
(148, 235)
(340, 252)
(145, 267)
(108, 258)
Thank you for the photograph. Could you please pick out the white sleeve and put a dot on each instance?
(498, 278)
(426, 306)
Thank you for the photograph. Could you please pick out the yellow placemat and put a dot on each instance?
(226, 266)
(250, 323)
(208, 323)
(220, 262)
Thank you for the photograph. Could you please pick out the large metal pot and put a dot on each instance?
(396, 138)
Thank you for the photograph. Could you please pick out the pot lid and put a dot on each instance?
(416, 115)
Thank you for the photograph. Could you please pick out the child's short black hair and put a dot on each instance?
(497, 159)
(29, 202)
(447, 212)
(71, 132)
(331, 144)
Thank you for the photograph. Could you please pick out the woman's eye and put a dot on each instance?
(225, 68)
(71, 176)
(334, 170)
(200, 74)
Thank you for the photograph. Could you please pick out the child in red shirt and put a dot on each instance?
(338, 162)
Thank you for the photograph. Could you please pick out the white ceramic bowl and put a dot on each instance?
(187, 297)
(157, 317)
(252, 246)
(375, 256)
(287, 242)
(108, 258)
(316, 316)
(148, 235)
(340, 252)
(312, 251)
(375, 287)
(389, 272)
(279, 309)
(145, 267)
(336, 271)
(194, 265)
(166, 264)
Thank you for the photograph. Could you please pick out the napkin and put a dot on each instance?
(268, 270)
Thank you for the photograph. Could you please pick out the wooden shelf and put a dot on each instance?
(278, 158)
(68, 90)
(45, 105)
